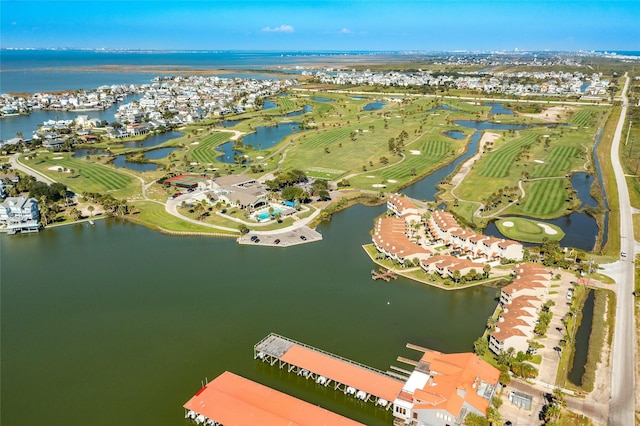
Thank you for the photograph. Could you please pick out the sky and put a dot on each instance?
(423, 25)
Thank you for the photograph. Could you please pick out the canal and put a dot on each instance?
(581, 348)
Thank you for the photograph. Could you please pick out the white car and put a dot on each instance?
(623, 254)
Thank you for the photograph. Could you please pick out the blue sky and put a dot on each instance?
(322, 25)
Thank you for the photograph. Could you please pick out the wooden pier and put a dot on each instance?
(383, 274)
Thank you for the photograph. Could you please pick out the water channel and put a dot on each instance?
(582, 341)
(264, 137)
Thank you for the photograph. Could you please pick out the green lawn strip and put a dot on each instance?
(154, 216)
(527, 230)
(557, 162)
(87, 176)
(544, 198)
(610, 187)
(205, 152)
(498, 162)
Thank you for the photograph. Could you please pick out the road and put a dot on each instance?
(621, 406)
(17, 165)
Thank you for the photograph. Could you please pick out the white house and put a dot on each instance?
(19, 214)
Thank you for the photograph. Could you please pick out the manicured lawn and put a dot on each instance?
(205, 152)
(527, 230)
(557, 162)
(500, 161)
(154, 215)
(87, 176)
(545, 198)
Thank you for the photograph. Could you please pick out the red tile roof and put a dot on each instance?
(233, 400)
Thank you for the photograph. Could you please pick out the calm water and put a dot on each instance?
(121, 161)
(582, 341)
(580, 229)
(27, 124)
(455, 134)
(426, 189)
(373, 106)
(157, 154)
(103, 333)
(264, 137)
(498, 109)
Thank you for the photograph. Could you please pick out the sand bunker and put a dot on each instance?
(507, 224)
(414, 152)
(259, 157)
(195, 143)
(547, 229)
(56, 168)
(57, 158)
(379, 185)
(539, 161)
(370, 177)
(392, 181)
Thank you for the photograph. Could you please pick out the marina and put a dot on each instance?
(351, 378)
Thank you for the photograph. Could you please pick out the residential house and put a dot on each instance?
(19, 214)
(444, 388)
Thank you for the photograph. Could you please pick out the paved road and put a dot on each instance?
(621, 407)
(16, 164)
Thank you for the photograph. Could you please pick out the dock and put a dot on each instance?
(350, 377)
(383, 274)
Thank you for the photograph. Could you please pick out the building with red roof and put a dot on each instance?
(232, 400)
(444, 388)
(521, 303)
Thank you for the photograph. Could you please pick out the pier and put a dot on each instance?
(350, 377)
(383, 274)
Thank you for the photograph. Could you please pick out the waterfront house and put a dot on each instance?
(444, 388)
(19, 214)
(390, 238)
(446, 266)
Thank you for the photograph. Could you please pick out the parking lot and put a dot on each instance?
(294, 237)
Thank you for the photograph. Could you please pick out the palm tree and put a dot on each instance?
(90, 209)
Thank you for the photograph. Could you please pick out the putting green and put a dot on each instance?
(527, 230)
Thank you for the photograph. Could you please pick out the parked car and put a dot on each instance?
(254, 237)
(277, 241)
(257, 240)
(623, 254)
(303, 238)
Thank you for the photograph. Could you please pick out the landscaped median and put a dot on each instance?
(527, 230)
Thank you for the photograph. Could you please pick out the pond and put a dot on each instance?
(264, 137)
(304, 110)
(268, 104)
(373, 106)
(321, 99)
(580, 230)
(455, 134)
(487, 125)
(153, 140)
(583, 334)
(121, 161)
(442, 107)
(159, 153)
(498, 109)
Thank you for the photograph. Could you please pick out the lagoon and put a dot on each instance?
(120, 324)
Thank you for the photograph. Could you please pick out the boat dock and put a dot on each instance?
(350, 377)
(234, 400)
(383, 274)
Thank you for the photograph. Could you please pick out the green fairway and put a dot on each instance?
(530, 231)
(86, 176)
(545, 198)
(557, 163)
(500, 161)
(205, 152)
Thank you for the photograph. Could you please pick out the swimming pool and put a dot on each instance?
(263, 214)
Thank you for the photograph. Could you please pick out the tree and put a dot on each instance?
(243, 228)
(480, 346)
(473, 419)
(90, 209)
(486, 268)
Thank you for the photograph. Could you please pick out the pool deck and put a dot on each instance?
(287, 238)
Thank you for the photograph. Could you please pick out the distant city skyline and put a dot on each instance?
(427, 25)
